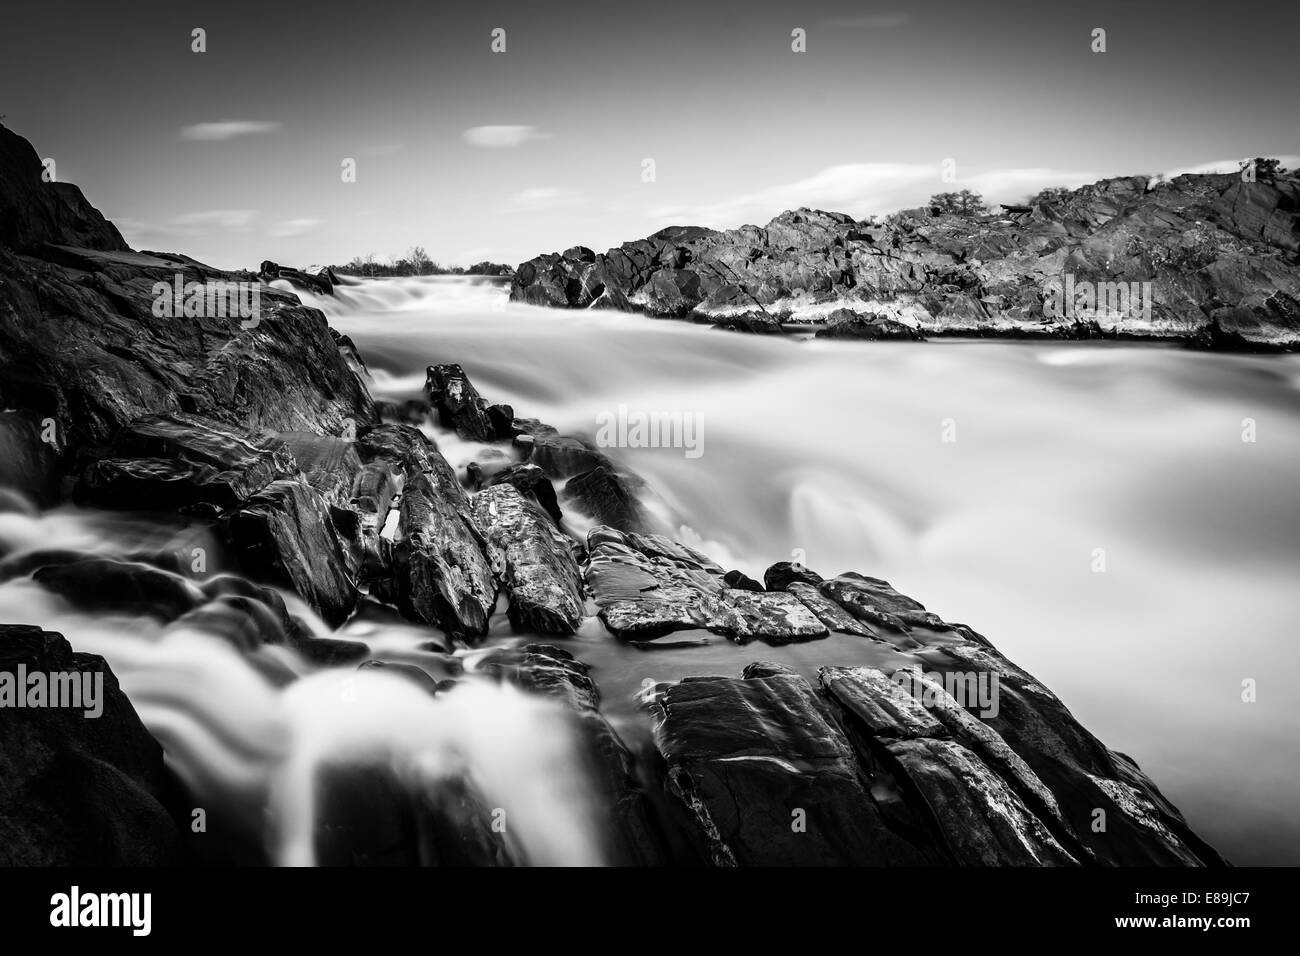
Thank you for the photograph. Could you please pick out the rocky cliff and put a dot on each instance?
(1209, 260)
(263, 434)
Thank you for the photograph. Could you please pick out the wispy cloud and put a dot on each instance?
(863, 189)
(543, 197)
(289, 228)
(502, 137)
(190, 225)
(227, 129)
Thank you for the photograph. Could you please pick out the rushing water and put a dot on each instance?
(980, 478)
(836, 450)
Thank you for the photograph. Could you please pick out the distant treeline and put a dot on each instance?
(416, 262)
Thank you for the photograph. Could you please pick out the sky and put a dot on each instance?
(238, 154)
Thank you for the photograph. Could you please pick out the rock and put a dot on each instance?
(531, 482)
(533, 562)
(106, 585)
(755, 323)
(980, 818)
(29, 467)
(608, 498)
(443, 575)
(738, 579)
(165, 462)
(827, 611)
(875, 602)
(78, 791)
(647, 586)
(284, 536)
(458, 403)
(846, 324)
(1218, 255)
(768, 778)
(779, 576)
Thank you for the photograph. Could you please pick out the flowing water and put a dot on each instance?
(1093, 509)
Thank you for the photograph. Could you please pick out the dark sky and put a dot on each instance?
(234, 155)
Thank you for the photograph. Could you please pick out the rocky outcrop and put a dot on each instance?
(80, 790)
(1218, 255)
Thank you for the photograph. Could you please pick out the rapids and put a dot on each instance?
(1092, 509)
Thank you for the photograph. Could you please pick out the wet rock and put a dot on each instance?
(979, 816)
(607, 497)
(827, 611)
(647, 586)
(533, 562)
(738, 579)
(768, 778)
(443, 576)
(106, 585)
(458, 404)
(875, 602)
(285, 536)
(531, 482)
(779, 576)
(172, 461)
(81, 791)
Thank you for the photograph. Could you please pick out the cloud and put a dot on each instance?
(863, 189)
(868, 21)
(190, 225)
(289, 228)
(543, 197)
(502, 137)
(227, 129)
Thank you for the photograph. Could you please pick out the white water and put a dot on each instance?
(834, 449)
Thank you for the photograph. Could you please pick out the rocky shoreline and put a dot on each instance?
(265, 437)
(1210, 261)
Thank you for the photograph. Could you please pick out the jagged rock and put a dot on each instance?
(768, 777)
(285, 536)
(772, 616)
(981, 819)
(81, 791)
(29, 466)
(828, 612)
(875, 602)
(533, 562)
(173, 461)
(1219, 254)
(444, 577)
(458, 403)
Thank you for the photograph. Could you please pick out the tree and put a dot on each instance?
(420, 262)
(1265, 168)
(1049, 196)
(964, 203)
